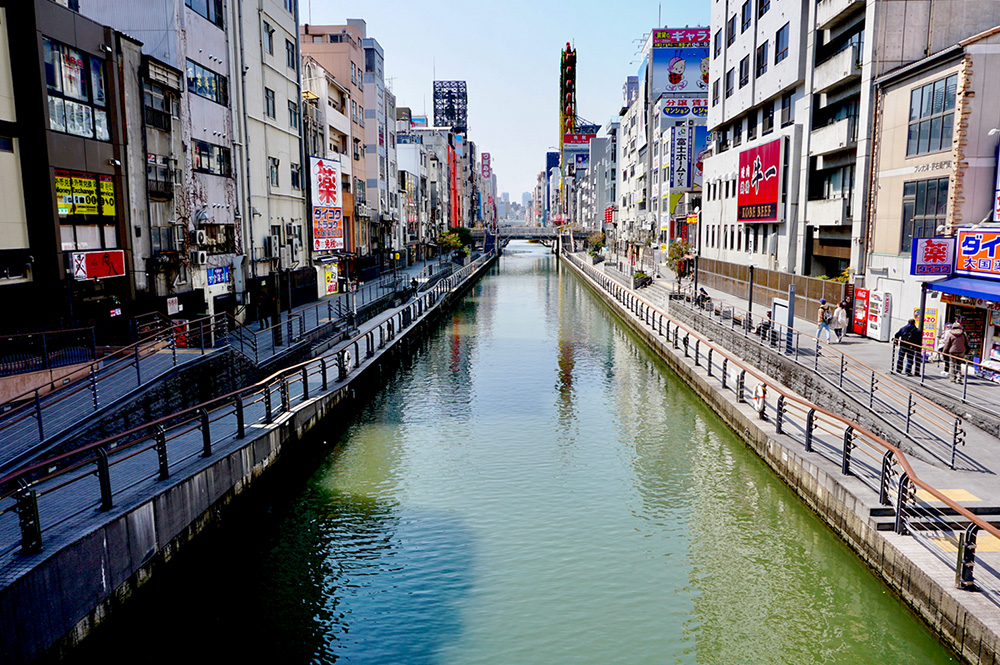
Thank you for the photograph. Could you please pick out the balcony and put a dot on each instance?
(841, 69)
(829, 12)
(836, 136)
(829, 212)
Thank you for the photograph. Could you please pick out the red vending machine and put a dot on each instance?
(860, 326)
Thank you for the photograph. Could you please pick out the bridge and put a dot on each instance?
(523, 232)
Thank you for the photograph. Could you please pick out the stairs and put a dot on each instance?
(924, 518)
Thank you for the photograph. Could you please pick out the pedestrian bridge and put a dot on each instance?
(522, 232)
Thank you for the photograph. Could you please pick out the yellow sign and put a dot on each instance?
(107, 196)
(64, 193)
(84, 194)
(331, 279)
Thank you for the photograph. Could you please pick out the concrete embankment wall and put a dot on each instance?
(960, 618)
(51, 607)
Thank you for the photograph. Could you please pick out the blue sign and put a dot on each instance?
(218, 275)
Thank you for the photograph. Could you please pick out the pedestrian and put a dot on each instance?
(907, 340)
(940, 349)
(823, 317)
(956, 345)
(840, 319)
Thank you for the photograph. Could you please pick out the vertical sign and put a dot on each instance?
(487, 166)
(64, 192)
(328, 213)
(84, 194)
(330, 274)
(759, 183)
(930, 326)
(107, 196)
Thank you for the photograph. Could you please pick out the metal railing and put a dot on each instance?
(969, 374)
(47, 496)
(38, 415)
(32, 352)
(932, 428)
(859, 453)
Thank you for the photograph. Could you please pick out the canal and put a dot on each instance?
(535, 486)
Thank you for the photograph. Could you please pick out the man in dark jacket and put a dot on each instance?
(956, 345)
(908, 342)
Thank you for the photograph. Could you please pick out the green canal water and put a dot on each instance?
(534, 487)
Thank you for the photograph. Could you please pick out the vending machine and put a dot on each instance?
(860, 326)
(879, 310)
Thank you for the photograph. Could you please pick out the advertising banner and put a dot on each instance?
(977, 253)
(700, 150)
(930, 326)
(679, 108)
(682, 37)
(327, 206)
(680, 70)
(64, 192)
(487, 167)
(107, 196)
(680, 162)
(98, 265)
(331, 276)
(759, 183)
(218, 275)
(932, 256)
(84, 194)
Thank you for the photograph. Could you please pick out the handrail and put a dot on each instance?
(898, 454)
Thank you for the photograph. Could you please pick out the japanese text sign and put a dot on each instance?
(98, 265)
(759, 183)
(978, 253)
(327, 208)
(932, 256)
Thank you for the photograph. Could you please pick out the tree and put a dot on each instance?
(595, 242)
(464, 235)
(451, 241)
(676, 255)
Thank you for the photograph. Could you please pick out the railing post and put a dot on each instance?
(845, 462)
(909, 411)
(357, 356)
(93, 387)
(201, 335)
(38, 415)
(884, 479)
(810, 425)
(27, 517)
(965, 566)
(871, 391)
(686, 344)
(268, 414)
(708, 364)
(957, 439)
(161, 453)
(741, 379)
(305, 382)
(206, 433)
(322, 371)
(816, 357)
(138, 373)
(104, 479)
(779, 417)
(173, 346)
(697, 349)
(904, 489)
(285, 405)
(241, 430)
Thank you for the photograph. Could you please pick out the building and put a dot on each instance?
(935, 140)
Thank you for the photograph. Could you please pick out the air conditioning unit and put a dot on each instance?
(286, 257)
(296, 250)
(200, 237)
(272, 246)
(199, 258)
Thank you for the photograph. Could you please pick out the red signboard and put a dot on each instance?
(578, 139)
(98, 265)
(487, 167)
(759, 185)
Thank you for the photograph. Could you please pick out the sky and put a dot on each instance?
(508, 53)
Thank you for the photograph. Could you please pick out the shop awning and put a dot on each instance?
(970, 287)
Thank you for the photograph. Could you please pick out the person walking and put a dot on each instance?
(840, 319)
(956, 345)
(907, 340)
(823, 318)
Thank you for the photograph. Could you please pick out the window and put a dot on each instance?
(730, 78)
(768, 115)
(715, 92)
(293, 114)
(210, 9)
(731, 30)
(932, 116)
(269, 110)
(290, 5)
(747, 16)
(157, 106)
(752, 125)
(290, 54)
(208, 84)
(744, 71)
(761, 59)
(272, 171)
(296, 176)
(718, 42)
(6, 144)
(924, 206)
(210, 158)
(781, 44)
(762, 7)
(787, 109)
(738, 132)
(75, 84)
(268, 38)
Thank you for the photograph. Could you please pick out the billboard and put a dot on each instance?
(327, 205)
(681, 108)
(682, 37)
(487, 167)
(932, 256)
(98, 265)
(451, 105)
(84, 194)
(700, 151)
(680, 156)
(977, 253)
(680, 70)
(759, 183)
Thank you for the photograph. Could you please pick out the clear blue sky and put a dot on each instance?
(508, 52)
